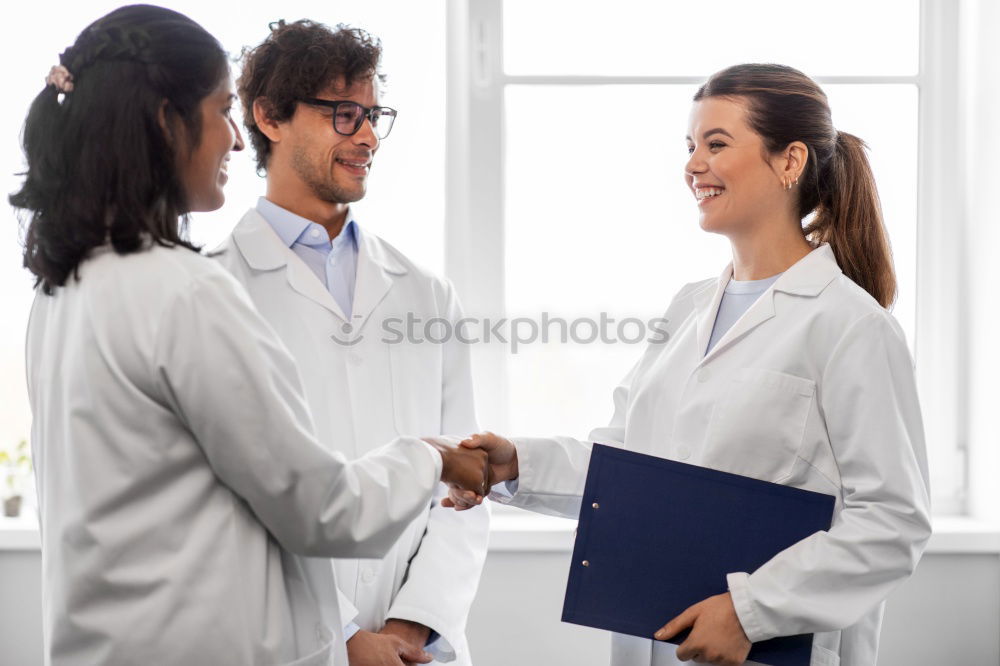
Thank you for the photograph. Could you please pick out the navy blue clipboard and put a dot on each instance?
(656, 536)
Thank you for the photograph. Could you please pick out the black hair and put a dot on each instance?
(100, 167)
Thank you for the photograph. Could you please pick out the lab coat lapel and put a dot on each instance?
(807, 277)
(264, 251)
(706, 303)
(303, 280)
(759, 312)
(376, 270)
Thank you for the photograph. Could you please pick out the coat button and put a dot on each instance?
(704, 376)
(683, 452)
(367, 576)
(354, 358)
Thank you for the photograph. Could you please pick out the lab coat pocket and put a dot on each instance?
(757, 425)
(416, 386)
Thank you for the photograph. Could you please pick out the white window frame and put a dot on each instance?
(474, 213)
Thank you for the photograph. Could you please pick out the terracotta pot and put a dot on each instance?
(12, 506)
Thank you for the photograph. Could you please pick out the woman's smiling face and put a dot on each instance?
(203, 168)
(729, 170)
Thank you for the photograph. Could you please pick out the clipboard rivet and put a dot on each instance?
(596, 505)
(586, 563)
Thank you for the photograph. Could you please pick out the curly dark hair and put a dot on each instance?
(100, 168)
(298, 60)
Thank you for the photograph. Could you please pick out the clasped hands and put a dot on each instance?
(716, 637)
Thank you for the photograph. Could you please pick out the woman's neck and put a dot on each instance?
(761, 255)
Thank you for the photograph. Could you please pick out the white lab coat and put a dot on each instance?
(180, 483)
(812, 387)
(363, 390)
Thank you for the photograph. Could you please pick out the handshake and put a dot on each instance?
(473, 466)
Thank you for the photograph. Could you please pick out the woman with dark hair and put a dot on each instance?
(787, 368)
(180, 486)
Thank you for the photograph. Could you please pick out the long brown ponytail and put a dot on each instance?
(785, 105)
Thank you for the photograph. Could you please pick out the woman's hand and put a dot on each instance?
(716, 637)
(502, 467)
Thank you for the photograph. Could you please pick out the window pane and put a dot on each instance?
(652, 37)
(605, 223)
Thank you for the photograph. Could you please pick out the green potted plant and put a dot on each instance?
(16, 465)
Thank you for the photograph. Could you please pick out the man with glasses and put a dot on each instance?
(333, 290)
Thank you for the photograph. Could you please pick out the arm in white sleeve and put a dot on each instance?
(443, 576)
(829, 580)
(233, 384)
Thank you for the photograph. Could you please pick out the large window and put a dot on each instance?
(530, 209)
(581, 222)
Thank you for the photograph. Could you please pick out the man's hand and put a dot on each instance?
(413, 633)
(464, 468)
(368, 649)
(716, 637)
(502, 467)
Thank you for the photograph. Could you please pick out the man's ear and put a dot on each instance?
(264, 121)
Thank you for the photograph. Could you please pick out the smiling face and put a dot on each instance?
(736, 184)
(332, 167)
(204, 167)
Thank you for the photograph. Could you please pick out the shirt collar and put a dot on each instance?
(348, 236)
(289, 227)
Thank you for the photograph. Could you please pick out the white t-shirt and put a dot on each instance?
(739, 296)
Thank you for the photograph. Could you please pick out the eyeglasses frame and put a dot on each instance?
(367, 113)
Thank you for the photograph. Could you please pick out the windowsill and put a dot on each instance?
(524, 532)
(19, 533)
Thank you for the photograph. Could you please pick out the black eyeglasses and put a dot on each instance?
(349, 116)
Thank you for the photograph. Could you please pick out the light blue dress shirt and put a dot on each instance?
(335, 262)
(737, 299)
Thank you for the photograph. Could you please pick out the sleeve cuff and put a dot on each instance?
(435, 457)
(350, 630)
(739, 590)
(504, 491)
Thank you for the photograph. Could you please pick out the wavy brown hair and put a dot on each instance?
(296, 61)
(785, 105)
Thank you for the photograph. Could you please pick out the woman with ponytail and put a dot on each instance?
(788, 368)
(183, 497)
